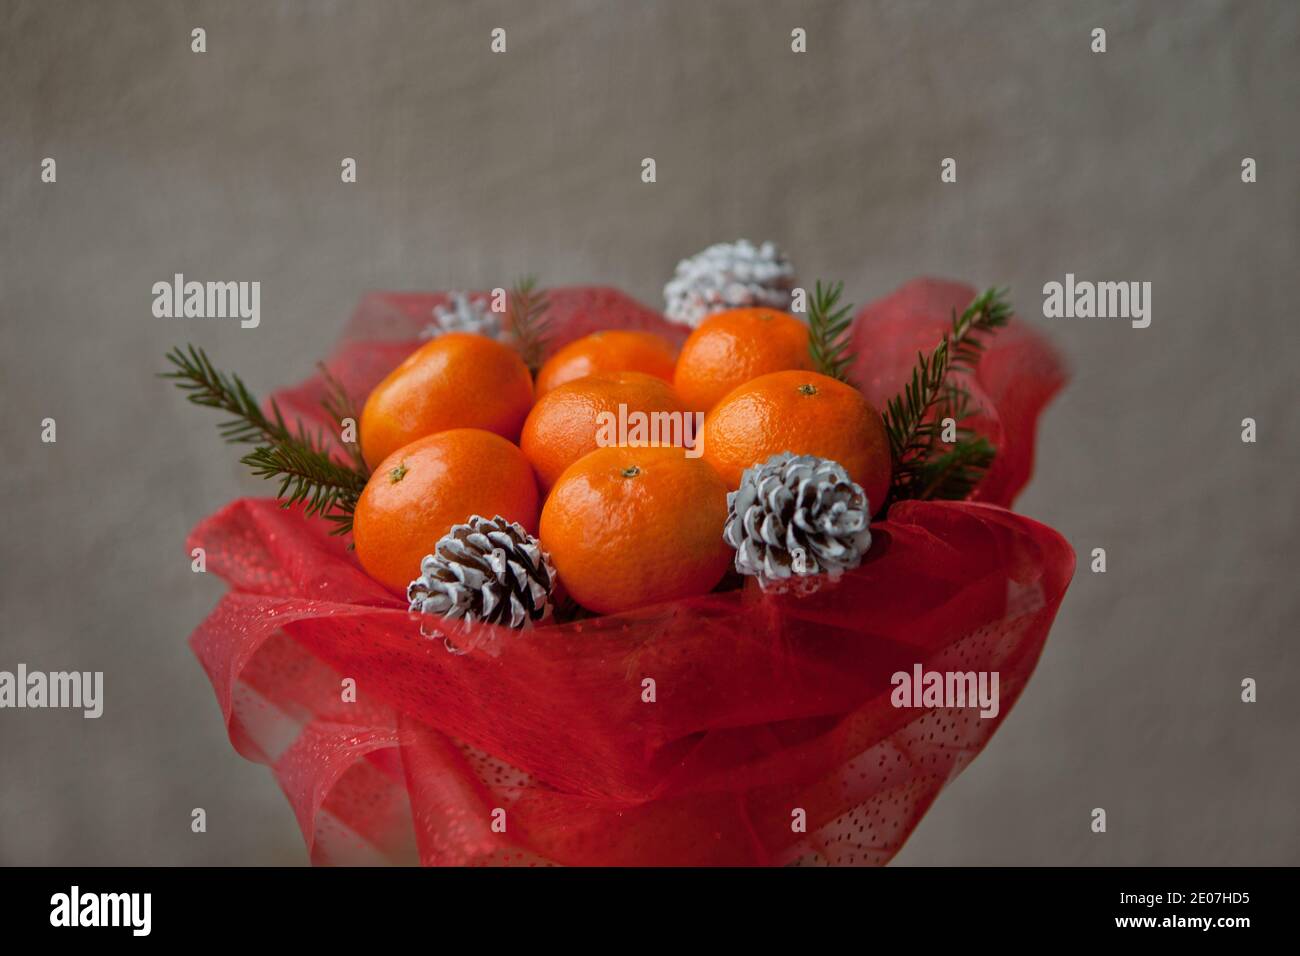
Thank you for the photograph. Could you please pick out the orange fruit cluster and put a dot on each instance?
(461, 429)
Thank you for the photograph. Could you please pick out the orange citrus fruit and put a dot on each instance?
(801, 412)
(614, 350)
(419, 491)
(729, 348)
(632, 526)
(458, 380)
(579, 416)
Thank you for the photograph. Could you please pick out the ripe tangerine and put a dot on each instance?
(801, 412)
(419, 491)
(613, 350)
(565, 423)
(458, 380)
(729, 348)
(627, 527)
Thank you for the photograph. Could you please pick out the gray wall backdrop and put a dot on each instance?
(476, 168)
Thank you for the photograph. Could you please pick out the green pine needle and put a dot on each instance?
(828, 343)
(955, 473)
(204, 385)
(338, 405)
(925, 466)
(308, 473)
(530, 321)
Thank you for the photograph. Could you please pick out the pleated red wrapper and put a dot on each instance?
(771, 737)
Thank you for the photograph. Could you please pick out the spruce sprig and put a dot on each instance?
(340, 406)
(925, 466)
(988, 313)
(827, 343)
(309, 475)
(195, 374)
(955, 473)
(530, 321)
(302, 461)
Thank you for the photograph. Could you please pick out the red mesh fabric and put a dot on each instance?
(768, 709)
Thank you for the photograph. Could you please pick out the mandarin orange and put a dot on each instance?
(627, 527)
(614, 350)
(419, 491)
(566, 422)
(801, 412)
(729, 348)
(458, 380)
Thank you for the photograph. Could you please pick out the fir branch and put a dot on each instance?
(339, 406)
(530, 321)
(206, 386)
(308, 475)
(955, 473)
(302, 461)
(924, 465)
(828, 343)
(988, 313)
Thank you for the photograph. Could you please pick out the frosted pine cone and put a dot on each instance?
(796, 516)
(463, 314)
(729, 275)
(491, 571)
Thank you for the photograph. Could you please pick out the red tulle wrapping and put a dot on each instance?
(765, 705)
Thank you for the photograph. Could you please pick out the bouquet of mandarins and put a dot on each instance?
(554, 578)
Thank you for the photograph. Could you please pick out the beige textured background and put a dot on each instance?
(476, 168)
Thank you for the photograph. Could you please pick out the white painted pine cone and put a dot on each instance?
(796, 516)
(463, 314)
(485, 570)
(729, 275)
